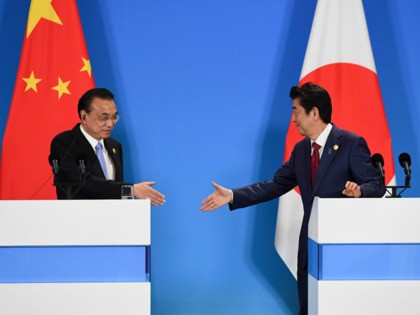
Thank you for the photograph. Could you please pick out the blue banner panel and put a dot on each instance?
(57, 264)
(313, 258)
(364, 261)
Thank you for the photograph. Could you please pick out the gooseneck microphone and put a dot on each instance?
(54, 162)
(405, 162)
(378, 162)
(81, 162)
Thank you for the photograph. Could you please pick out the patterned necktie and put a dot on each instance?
(314, 161)
(100, 155)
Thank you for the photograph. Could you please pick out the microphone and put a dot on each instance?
(81, 162)
(405, 162)
(378, 162)
(54, 162)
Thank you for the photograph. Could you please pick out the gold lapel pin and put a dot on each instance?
(113, 150)
(335, 147)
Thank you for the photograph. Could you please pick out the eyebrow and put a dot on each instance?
(106, 114)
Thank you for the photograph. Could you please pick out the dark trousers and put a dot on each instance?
(302, 282)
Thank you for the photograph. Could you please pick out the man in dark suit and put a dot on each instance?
(328, 163)
(90, 140)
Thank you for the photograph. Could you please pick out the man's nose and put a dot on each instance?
(109, 123)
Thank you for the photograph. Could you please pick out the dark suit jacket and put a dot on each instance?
(346, 157)
(71, 144)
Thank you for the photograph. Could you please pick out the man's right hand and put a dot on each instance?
(144, 190)
(217, 199)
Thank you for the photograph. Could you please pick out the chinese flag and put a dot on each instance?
(339, 58)
(54, 71)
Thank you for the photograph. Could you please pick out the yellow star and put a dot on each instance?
(87, 67)
(61, 87)
(41, 9)
(31, 82)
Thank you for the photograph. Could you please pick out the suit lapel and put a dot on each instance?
(307, 166)
(328, 155)
(86, 148)
(115, 157)
(92, 159)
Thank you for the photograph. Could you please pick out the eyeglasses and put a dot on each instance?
(104, 118)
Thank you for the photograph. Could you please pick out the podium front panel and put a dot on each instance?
(364, 256)
(75, 257)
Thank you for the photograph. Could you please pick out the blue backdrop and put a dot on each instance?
(202, 87)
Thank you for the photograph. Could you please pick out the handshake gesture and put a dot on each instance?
(219, 198)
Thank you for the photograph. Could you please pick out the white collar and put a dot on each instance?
(322, 138)
(93, 142)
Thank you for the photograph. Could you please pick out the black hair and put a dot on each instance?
(311, 95)
(86, 100)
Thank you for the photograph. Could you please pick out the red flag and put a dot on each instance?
(54, 71)
(339, 58)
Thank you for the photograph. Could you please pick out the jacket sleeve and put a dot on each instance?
(363, 171)
(283, 181)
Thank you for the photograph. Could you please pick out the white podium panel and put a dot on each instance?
(74, 222)
(364, 256)
(75, 298)
(75, 257)
(363, 297)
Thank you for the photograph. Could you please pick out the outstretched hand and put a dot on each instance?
(352, 190)
(144, 190)
(217, 199)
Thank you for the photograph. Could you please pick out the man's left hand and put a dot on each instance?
(352, 190)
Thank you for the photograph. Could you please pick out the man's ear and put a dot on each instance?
(316, 112)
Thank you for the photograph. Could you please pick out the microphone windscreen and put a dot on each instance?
(378, 158)
(404, 158)
(53, 157)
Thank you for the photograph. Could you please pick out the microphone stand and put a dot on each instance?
(394, 189)
(82, 182)
(67, 188)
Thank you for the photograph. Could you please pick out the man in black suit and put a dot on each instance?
(90, 140)
(343, 169)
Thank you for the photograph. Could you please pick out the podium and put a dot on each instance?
(75, 257)
(364, 257)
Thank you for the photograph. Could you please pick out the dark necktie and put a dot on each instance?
(314, 161)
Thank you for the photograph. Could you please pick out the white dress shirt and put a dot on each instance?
(93, 142)
(322, 140)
